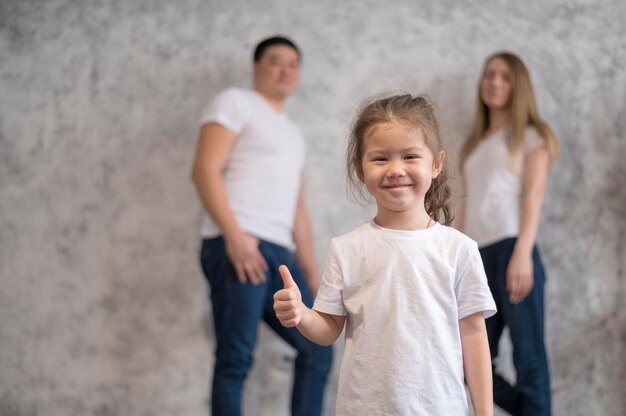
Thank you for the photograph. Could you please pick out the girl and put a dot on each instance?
(505, 162)
(412, 292)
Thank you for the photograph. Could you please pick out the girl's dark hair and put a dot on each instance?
(418, 111)
(274, 41)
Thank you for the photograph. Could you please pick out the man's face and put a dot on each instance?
(277, 73)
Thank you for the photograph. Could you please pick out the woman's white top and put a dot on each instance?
(493, 186)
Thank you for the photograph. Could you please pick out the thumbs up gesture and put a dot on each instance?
(288, 301)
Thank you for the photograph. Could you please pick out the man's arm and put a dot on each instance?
(303, 237)
(214, 146)
(477, 363)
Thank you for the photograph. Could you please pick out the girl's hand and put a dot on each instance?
(288, 301)
(243, 252)
(519, 276)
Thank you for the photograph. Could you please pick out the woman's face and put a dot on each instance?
(496, 87)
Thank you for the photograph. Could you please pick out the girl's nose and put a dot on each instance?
(395, 170)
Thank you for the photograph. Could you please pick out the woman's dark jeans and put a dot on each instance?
(525, 320)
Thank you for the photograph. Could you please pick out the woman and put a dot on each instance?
(505, 162)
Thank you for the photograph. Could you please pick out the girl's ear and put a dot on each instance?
(359, 172)
(358, 168)
(438, 163)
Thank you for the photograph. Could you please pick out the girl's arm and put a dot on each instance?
(319, 327)
(303, 237)
(520, 270)
(477, 363)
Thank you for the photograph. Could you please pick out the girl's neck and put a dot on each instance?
(498, 119)
(404, 221)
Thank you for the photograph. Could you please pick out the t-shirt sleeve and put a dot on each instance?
(532, 140)
(471, 289)
(330, 293)
(228, 109)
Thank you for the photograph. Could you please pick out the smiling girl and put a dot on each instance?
(410, 291)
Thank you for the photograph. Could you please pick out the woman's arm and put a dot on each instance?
(461, 216)
(477, 363)
(520, 269)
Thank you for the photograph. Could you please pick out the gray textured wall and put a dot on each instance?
(103, 307)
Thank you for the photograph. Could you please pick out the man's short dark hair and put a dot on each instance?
(274, 41)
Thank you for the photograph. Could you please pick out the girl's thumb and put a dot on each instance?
(286, 276)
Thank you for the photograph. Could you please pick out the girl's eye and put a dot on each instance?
(379, 159)
(411, 157)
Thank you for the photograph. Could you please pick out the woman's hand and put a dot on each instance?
(519, 276)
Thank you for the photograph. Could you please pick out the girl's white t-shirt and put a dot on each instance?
(493, 185)
(403, 293)
(264, 171)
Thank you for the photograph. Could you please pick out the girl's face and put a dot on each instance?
(398, 167)
(496, 87)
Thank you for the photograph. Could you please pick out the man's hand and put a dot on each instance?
(288, 301)
(243, 252)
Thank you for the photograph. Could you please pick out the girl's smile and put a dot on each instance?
(397, 186)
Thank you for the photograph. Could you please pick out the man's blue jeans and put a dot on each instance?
(525, 320)
(237, 310)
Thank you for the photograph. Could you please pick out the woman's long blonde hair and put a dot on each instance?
(523, 113)
(418, 111)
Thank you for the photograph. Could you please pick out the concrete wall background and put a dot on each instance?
(103, 307)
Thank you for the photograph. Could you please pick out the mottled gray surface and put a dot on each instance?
(103, 307)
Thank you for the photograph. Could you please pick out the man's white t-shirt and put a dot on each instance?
(263, 172)
(493, 185)
(403, 293)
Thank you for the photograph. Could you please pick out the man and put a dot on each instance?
(248, 173)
